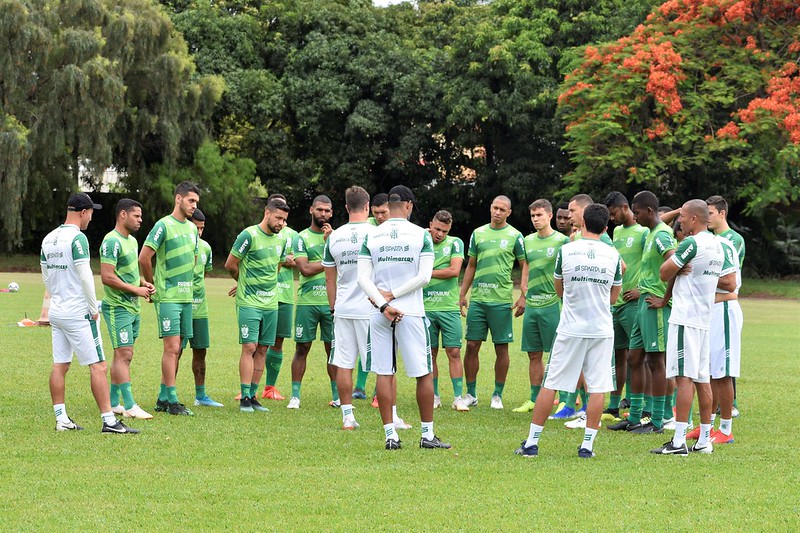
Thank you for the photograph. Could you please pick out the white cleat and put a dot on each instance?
(708, 448)
(437, 402)
(294, 403)
(399, 423)
(118, 409)
(578, 423)
(67, 426)
(497, 402)
(137, 412)
(459, 404)
(734, 413)
(470, 400)
(669, 424)
(350, 424)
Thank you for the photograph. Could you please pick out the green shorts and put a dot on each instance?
(624, 319)
(449, 324)
(123, 326)
(174, 319)
(257, 325)
(201, 339)
(539, 325)
(483, 317)
(650, 329)
(306, 319)
(285, 317)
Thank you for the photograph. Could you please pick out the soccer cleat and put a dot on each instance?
(435, 442)
(257, 406)
(349, 424)
(577, 423)
(497, 402)
(119, 427)
(611, 415)
(527, 451)
(645, 429)
(271, 393)
(645, 419)
(392, 444)
(625, 404)
(622, 425)
(459, 404)
(375, 401)
(694, 434)
(399, 423)
(526, 407)
(335, 404)
(437, 402)
(178, 409)
(161, 406)
(206, 401)
(581, 411)
(583, 453)
(245, 406)
(669, 449)
(734, 413)
(294, 403)
(707, 448)
(67, 426)
(118, 409)
(669, 424)
(470, 400)
(359, 394)
(137, 412)
(718, 437)
(565, 413)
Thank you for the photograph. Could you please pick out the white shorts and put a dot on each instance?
(726, 339)
(409, 340)
(688, 353)
(572, 355)
(78, 335)
(349, 341)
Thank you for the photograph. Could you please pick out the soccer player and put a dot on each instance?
(588, 275)
(539, 302)
(440, 297)
(173, 241)
(254, 261)
(312, 298)
(394, 264)
(562, 219)
(699, 260)
(201, 337)
(492, 251)
(576, 206)
(348, 303)
(122, 285)
(379, 209)
(629, 239)
(648, 337)
(67, 276)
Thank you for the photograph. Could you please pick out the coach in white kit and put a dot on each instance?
(73, 313)
(588, 276)
(395, 263)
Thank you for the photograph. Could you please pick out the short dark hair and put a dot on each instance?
(277, 195)
(595, 218)
(198, 216)
(356, 198)
(380, 199)
(584, 200)
(719, 203)
(443, 216)
(615, 199)
(541, 203)
(322, 199)
(276, 204)
(664, 209)
(646, 199)
(126, 204)
(186, 187)
(563, 205)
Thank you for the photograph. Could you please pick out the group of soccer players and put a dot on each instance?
(636, 311)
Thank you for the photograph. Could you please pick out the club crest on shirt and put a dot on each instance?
(629, 242)
(550, 251)
(394, 233)
(354, 238)
(245, 331)
(446, 250)
(165, 324)
(123, 336)
(503, 243)
(590, 254)
(278, 249)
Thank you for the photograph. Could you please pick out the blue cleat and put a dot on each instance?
(207, 402)
(565, 413)
(583, 453)
(359, 394)
(527, 451)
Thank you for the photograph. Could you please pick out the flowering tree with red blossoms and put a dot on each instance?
(703, 98)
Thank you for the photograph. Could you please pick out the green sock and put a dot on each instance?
(458, 386)
(535, 392)
(637, 402)
(199, 391)
(172, 394)
(614, 401)
(274, 362)
(436, 386)
(563, 396)
(627, 383)
(296, 389)
(245, 388)
(668, 405)
(253, 390)
(127, 395)
(498, 389)
(571, 399)
(584, 398)
(114, 395)
(658, 411)
(735, 403)
(471, 388)
(361, 378)
(648, 404)
(162, 393)
(334, 391)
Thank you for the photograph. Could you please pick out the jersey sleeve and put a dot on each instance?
(458, 248)
(156, 236)
(299, 246)
(664, 242)
(42, 258)
(557, 271)
(730, 263)
(604, 238)
(618, 273)
(209, 266)
(80, 249)
(241, 245)
(364, 251)
(519, 248)
(685, 252)
(327, 258)
(427, 244)
(109, 251)
(473, 247)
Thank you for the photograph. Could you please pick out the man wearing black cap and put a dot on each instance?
(395, 263)
(73, 313)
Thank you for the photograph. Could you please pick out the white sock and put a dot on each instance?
(705, 431)
(394, 413)
(533, 435)
(390, 432)
(427, 430)
(61, 413)
(588, 438)
(713, 417)
(347, 411)
(109, 418)
(726, 426)
(680, 434)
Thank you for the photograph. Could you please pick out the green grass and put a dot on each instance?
(297, 470)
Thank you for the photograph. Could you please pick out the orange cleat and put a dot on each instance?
(375, 401)
(271, 393)
(694, 434)
(718, 437)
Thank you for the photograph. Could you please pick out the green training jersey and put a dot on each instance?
(738, 242)
(175, 244)
(629, 242)
(201, 266)
(495, 251)
(442, 294)
(372, 221)
(604, 238)
(260, 256)
(540, 254)
(311, 245)
(658, 242)
(286, 275)
(123, 254)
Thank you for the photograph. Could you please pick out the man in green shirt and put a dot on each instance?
(312, 297)
(173, 242)
(492, 251)
(538, 300)
(254, 262)
(119, 272)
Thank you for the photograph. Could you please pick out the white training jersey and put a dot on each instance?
(693, 293)
(731, 264)
(65, 248)
(395, 248)
(588, 269)
(341, 251)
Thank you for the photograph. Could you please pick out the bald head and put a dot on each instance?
(697, 208)
(694, 217)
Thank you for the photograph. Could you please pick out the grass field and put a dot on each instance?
(296, 470)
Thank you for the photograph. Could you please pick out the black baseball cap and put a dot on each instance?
(80, 201)
(403, 192)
